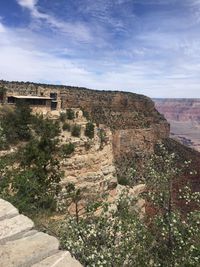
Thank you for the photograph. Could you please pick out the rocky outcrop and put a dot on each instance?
(130, 116)
(91, 166)
(21, 245)
(138, 140)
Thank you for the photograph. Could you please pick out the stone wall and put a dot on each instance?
(23, 246)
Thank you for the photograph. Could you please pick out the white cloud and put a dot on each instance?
(78, 31)
(2, 28)
(23, 59)
(30, 4)
(164, 64)
(28, 63)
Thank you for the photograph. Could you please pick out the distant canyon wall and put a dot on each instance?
(179, 109)
(184, 118)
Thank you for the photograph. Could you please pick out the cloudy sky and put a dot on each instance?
(144, 46)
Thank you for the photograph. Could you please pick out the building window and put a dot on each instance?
(11, 100)
(53, 96)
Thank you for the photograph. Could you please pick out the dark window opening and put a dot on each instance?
(36, 102)
(11, 100)
(53, 96)
(53, 105)
(1, 97)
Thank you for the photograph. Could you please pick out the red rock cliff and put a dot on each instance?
(179, 109)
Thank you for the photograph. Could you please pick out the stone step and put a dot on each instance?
(13, 228)
(7, 210)
(27, 251)
(60, 259)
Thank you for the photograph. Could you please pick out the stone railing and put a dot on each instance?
(23, 246)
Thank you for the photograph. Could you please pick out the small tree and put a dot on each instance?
(2, 94)
(32, 180)
(3, 141)
(67, 149)
(102, 137)
(76, 130)
(86, 114)
(70, 114)
(16, 123)
(89, 130)
(63, 116)
(66, 127)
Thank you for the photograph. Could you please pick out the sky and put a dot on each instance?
(150, 47)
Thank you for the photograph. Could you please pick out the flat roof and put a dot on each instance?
(30, 97)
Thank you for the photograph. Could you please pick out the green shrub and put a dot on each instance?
(31, 180)
(89, 130)
(66, 127)
(86, 114)
(63, 117)
(76, 130)
(102, 137)
(122, 180)
(45, 127)
(70, 114)
(3, 142)
(15, 123)
(67, 149)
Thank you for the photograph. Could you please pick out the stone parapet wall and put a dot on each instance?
(22, 246)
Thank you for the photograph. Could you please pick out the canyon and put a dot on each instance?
(130, 121)
(131, 127)
(184, 118)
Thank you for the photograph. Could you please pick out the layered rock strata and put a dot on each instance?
(91, 166)
(184, 118)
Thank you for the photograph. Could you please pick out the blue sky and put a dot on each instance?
(150, 47)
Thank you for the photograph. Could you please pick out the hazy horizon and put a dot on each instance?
(149, 47)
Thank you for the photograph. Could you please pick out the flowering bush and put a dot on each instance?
(115, 237)
(176, 235)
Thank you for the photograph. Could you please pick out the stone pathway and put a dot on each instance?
(22, 246)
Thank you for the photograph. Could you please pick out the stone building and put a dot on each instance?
(39, 100)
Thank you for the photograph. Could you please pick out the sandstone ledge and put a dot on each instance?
(21, 246)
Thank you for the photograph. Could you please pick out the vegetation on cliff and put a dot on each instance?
(106, 234)
(30, 175)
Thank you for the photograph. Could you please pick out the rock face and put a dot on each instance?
(20, 245)
(128, 115)
(184, 118)
(91, 166)
(128, 141)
